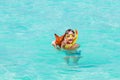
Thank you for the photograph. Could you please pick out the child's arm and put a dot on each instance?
(53, 43)
(75, 46)
(55, 46)
(63, 44)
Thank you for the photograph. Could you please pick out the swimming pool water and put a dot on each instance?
(27, 29)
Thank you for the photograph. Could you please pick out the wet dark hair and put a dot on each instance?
(68, 30)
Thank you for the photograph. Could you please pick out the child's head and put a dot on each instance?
(69, 35)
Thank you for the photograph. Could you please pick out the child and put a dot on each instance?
(71, 51)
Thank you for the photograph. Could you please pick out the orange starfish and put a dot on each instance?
(59, 39)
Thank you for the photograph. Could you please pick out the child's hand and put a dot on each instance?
(53, 43)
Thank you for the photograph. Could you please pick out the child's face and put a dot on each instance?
(70, 37)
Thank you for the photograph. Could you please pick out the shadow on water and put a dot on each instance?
(76, 67)
(87, 66)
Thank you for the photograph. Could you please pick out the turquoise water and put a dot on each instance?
(27, 29)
